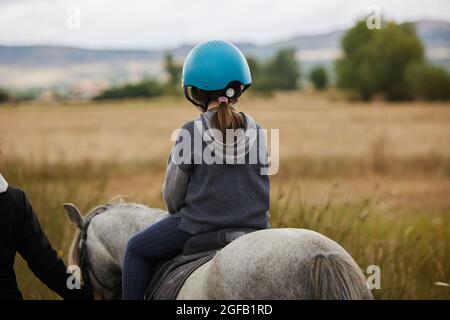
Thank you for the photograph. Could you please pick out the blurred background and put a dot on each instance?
(90, 93)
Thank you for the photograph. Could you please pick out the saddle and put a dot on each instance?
(169, 276)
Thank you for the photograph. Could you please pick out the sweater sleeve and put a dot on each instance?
(263, 154)
(179, 166)
(42, 259)
(175, 186)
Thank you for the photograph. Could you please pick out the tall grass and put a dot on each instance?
(411, 249)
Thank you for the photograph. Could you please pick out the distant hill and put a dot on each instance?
(62, 67)
(63, 56)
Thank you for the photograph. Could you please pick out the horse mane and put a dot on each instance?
(74, 251)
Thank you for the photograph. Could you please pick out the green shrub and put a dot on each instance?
(4, 95)
(143, 89)
(319, 78)
(428, 81)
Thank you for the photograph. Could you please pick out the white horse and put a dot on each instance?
(283, 263)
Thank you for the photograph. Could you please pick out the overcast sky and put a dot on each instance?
(167, 23)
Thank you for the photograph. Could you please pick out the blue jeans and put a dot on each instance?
(161, 240)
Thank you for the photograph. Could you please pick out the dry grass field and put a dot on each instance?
(374, 177)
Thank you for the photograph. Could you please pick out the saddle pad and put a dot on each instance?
(171, 283)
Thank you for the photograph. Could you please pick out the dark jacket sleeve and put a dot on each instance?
(42, 259)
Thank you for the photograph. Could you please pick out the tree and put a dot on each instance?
(279, 73)
(375, 60)
(174, 72)
(254, 66)
(282, 72)
(319, 78)
(4, 95)
(428, 81)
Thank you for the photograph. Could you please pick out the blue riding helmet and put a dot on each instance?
(212, 65)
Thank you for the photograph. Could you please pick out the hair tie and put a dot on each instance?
(222, 99)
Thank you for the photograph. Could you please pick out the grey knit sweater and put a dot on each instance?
(231, 191)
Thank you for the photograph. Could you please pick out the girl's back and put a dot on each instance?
(227, 184)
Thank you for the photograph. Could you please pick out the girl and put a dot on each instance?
(203, 195)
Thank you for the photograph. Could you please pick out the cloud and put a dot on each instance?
(166, 23)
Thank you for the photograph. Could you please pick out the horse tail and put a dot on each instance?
(334, 276)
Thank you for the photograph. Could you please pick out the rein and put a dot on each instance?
(85, 266)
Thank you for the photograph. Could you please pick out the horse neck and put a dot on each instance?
(111, 230)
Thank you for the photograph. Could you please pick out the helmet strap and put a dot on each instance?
(205, 107)
(245, 88)
(188, 96)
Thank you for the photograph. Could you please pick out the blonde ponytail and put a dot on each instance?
(226, 117)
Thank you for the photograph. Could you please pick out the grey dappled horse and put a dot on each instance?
(283, 263)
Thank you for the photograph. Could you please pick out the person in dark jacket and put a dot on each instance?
(21, 232)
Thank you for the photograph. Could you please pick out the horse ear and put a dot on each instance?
(74, 214)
